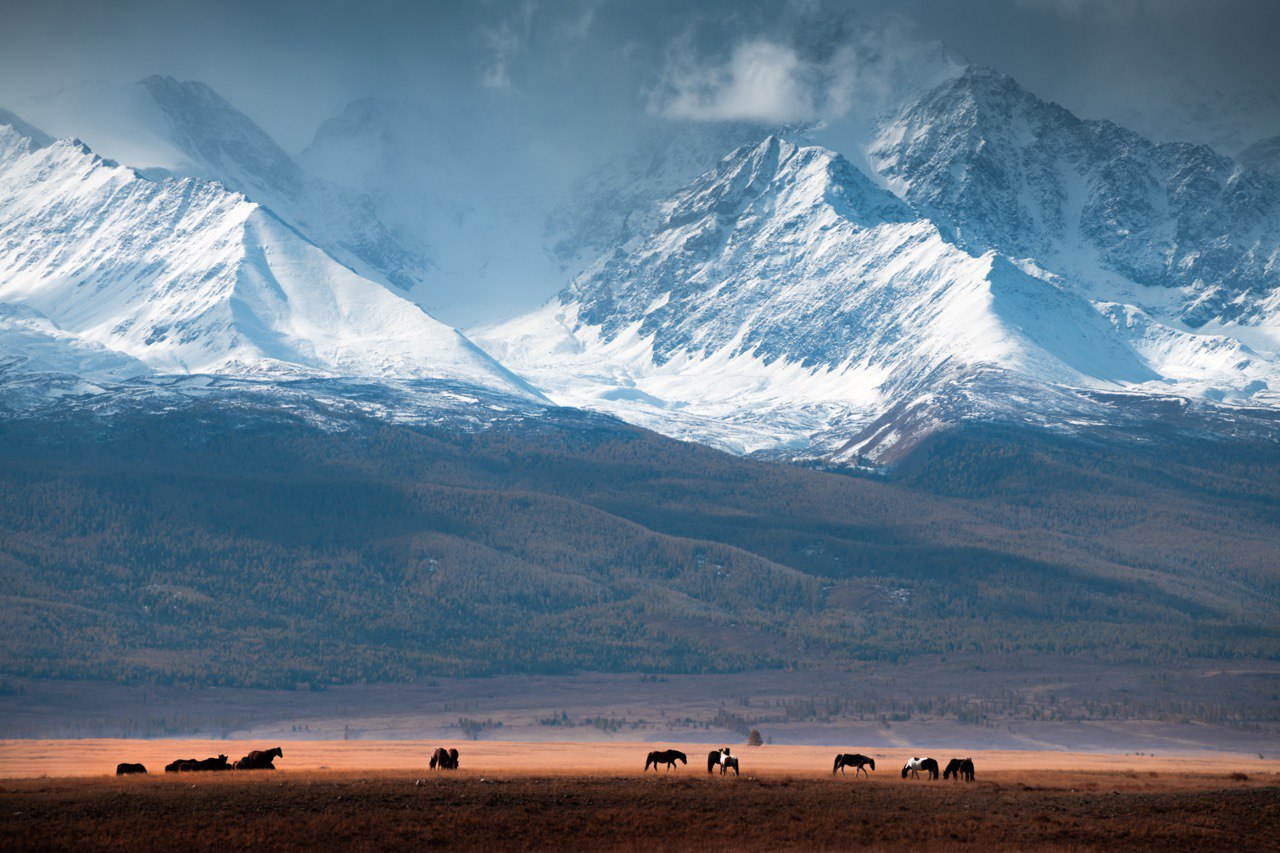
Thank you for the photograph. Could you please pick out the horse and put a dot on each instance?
(959, 768)
(260, 759)
(192, 765)
(668, 757)
(727, 762)
(857, 761)
(126, 769)
(219, 763)
(716, 757)
(444, 759)
(915, 765)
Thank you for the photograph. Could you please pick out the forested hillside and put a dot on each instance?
(197, 546)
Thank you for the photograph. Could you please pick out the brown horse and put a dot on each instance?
(193, 765)
(260, 759)
(444, 759)
(126, 769)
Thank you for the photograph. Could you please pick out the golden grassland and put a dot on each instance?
(97, 756)
(594, 796)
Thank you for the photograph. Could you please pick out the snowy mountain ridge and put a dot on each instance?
(166, 127)
(784, 303)
(107, 275)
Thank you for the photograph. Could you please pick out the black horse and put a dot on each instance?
(915, 765)
(126, 769)
(857, 761)
(668, 757)
(959, 768)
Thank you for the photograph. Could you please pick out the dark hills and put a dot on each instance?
(194, 546)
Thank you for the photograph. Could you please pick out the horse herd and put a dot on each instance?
(957, 768)
(722, 758)
(259, 759)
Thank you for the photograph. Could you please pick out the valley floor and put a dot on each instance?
(512, 802)
(987, 703)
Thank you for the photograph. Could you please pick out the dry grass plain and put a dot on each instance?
(594, 796)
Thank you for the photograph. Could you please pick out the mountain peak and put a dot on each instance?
(37, 137)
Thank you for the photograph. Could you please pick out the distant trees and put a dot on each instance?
(181, 549)
(754, 738)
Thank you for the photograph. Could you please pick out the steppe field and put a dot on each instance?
(380, 795)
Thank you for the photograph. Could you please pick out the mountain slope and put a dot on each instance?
(188, 277)
(1184, 233)
(243, 544)
(785, 302)
(162, 126)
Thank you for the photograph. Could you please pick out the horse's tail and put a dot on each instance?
(837, 765)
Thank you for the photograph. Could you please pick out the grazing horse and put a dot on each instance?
(444, 759)
(668, 757)
(181, 765)
(727, 762)
(716, 758)
(959, 768)
(260, 759)
(126, 769)
(857, 761)
(915, 765)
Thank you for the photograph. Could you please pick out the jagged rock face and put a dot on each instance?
(997, 168)
(762, 227)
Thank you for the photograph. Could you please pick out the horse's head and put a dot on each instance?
(906, 768)
(871, 762)
(278, 752)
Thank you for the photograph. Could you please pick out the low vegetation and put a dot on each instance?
(677, 811)
(206, 547)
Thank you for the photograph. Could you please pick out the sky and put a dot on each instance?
(566, 84)
(593, 63)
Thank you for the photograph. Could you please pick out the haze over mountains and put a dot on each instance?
(957, 292)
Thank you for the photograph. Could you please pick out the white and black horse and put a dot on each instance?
(723, 759)
(855, 760)
(915, 766)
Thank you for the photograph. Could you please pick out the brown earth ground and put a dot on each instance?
(592, 796)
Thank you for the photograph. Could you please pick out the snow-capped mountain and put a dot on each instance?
(997, 168)
(106, 274)
(622, 199)
(161, 126)
(785, 302)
